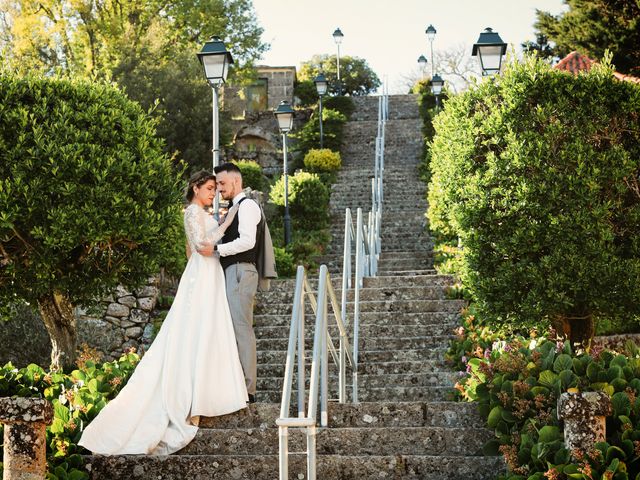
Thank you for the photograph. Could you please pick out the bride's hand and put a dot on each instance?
(231, 214)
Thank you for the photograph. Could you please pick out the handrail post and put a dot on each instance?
(301, 358)
(311, 452)
(284, 452)
(324, 353)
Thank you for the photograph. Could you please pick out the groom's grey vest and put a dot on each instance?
(248, 256)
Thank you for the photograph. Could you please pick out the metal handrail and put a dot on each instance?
(367, 250)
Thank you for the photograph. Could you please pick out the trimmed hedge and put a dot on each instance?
(536, 170)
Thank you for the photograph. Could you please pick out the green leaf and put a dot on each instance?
(562, 362)
(621, 404)
(494, 416)
(548, 378)
(549, 433)
(491, 447)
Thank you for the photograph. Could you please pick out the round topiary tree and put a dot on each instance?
(88, 199)
(252, 175)
(537, 171)
(308, 199)
(322, 160)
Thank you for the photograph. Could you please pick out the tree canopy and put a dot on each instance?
(147, 47)
(594, 26)
(88, 198)
(356, 76)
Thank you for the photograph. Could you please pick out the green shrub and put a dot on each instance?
(343, 104)
(252, 175)
(537, 171)
(88, 198)
(308, 136)
(77, 399)
(308, 200)
(306, 92)
(285, 263)
(517, 383)
(322, 160)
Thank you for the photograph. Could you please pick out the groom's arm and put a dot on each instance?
(249, 216)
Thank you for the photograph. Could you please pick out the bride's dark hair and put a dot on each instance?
(197, 180)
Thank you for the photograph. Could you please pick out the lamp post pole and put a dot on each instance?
(431, 34)
(284, 115)
(422, 61)
(337, 37)
(321, 87)
(215, 60)
(436, 88)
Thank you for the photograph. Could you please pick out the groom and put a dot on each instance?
(238, 256)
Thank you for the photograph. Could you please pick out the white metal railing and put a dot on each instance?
(366, 240)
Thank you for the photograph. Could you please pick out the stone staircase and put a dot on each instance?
(404, 427)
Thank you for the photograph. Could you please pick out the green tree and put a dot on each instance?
(148, 47)
(356, 76)
(536, 170)
(88, 198)
(594, 26)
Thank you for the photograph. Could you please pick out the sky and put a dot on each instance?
(389, 34)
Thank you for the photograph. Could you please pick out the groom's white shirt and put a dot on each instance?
(249, 216)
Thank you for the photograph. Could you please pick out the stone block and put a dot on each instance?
(117, 310)
(146, 303)
(139, 316)
(133, 332)
(103, 335)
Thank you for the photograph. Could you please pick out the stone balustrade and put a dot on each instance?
(25, 450)
(584, 415)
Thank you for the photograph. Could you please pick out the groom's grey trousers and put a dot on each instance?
(242, 283)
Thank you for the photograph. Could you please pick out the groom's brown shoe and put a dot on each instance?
(252, 398)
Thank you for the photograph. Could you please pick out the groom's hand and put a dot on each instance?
(207, 251)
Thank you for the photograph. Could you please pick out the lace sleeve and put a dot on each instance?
(194, 227)
(196, 230)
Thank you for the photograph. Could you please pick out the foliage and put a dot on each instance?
(308, 199)
(148, 47)
(517, 383)
(77, 398)
(285, 263)
(306, 92)
(536, 171)
(322, 160)
(355, 74)
(428, 111)
(88, 198)
(594, 26)
(252, 175)
(344, 105)
(308, 136)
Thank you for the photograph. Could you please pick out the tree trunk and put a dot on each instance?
(579, 330)
(57, 313)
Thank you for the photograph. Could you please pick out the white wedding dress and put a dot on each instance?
(192, 368)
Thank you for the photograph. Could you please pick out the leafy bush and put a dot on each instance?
(517, 384)
(537, 172)
(88, 198)
(308, 200)
(77, 398)
(356, 76)
(306, 92)
(308, 136)
(252, 175)
(285, 263)
(322, 160)
(344, 105)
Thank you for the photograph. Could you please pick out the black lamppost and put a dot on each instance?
(215, 60)
(431, 34)
(422, 61)
(321, 87)
(436, 88)
(489, 49)
(337, 37)
(284, 115)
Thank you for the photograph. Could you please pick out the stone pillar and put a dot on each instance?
(25, 450)
(584, 415)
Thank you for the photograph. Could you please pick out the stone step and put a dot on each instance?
(380, 306)
(372, 343)
(371, 368)
(363, 414)
(379, 320)
(406, 273)
(265, 467)
(346, 441)
(367, 294)
(409, 355)
(366, 331)
(376, 394)
(368, 382)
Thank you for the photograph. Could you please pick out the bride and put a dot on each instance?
(192, 368)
